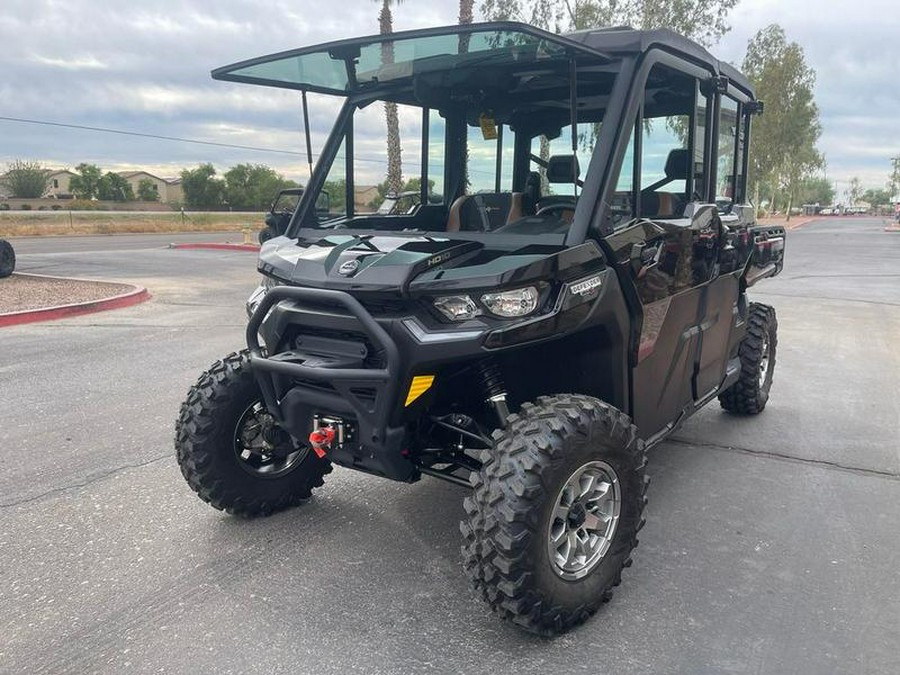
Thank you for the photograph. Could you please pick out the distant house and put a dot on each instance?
(134, 179)
(174, 191)
(168, 189)
(59, 183)
(363, 196)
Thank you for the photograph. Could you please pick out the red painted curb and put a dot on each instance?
(133, 297)
(220, 247)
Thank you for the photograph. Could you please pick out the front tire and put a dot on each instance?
(233, 454)
(749, 395)
(555, 512)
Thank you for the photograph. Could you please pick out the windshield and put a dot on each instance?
(490, 150)
(342, 67)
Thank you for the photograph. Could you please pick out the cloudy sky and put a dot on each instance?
(145, 67)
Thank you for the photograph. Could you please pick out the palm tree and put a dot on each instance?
(466, 11)
(395, 167)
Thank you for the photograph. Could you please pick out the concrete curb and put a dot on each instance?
(218, 247)
(892, 228)
(137, 295)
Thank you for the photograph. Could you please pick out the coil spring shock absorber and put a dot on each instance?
(494, 388)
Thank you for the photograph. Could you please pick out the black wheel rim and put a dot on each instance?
(262, 448)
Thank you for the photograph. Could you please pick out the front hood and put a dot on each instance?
(395, 262)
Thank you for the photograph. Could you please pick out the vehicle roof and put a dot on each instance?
(628, 40)
(319, 68)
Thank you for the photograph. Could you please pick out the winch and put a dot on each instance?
(326, 432)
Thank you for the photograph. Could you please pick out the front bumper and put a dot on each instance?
(338, 383)
(327, 355)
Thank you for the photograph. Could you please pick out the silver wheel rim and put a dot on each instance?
(764, 362)
(584, 520)
(256, 453)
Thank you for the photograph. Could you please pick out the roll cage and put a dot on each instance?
(416, 67)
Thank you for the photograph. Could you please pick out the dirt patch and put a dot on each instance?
(22, 292)
(19, 224)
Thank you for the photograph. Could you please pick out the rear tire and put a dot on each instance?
(225, 456)
(749, 395)
(518, 525)
(7, 259)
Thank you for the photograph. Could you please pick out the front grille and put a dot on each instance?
(384, 306)
(374, 359)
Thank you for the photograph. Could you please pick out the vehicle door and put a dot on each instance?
(666, 241)
(721, 315)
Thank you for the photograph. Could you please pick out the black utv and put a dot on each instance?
(279, 216)
(569, 288)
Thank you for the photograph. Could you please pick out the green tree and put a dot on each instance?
(395, 166)
(86, 184)
(700, 20)
(337, 195)
(783, 147)
(147, 191)
(114, 188)
(26, 180)
(251, 187)
(879, 197)
(817, 190)
(202, 190)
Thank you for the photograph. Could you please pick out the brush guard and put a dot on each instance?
(371, 414)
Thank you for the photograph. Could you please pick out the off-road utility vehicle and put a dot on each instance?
(279, 216)
(570, 288)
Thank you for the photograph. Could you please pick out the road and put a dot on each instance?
(771, 545)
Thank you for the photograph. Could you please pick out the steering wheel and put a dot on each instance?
(553, 208)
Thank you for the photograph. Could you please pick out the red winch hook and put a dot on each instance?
(321, 440)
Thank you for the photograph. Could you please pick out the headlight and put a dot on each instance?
(457, 307)
(254, 299)
(257, 295)
(520, 302)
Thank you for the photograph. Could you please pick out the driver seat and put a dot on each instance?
(484, 211)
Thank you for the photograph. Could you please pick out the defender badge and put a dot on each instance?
(348, 267)
(586, 286)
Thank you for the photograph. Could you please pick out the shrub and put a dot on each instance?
(4, 207)
(84, 205)
(25, 207)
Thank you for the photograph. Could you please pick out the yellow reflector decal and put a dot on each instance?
(420, 384)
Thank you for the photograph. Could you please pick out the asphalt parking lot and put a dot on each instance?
(772, 544)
